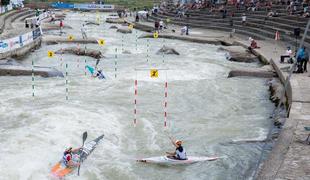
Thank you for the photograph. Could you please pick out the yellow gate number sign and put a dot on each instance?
(155, 35)
(71, 38)
(130, 26)
(154, 73)
(101, 42)
(50, 54)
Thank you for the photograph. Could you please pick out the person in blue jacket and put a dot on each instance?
(300, 56)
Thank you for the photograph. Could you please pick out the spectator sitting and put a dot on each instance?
(184, 30)
(272, 14)
(288, 54)
(306, 14)
(253, 44)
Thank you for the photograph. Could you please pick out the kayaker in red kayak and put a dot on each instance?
(68, 157)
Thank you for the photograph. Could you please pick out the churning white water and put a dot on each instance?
(205, 109)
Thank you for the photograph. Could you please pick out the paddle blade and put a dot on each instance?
(84, 137)
(79, 170)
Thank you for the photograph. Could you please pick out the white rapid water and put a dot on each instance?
(205, 109)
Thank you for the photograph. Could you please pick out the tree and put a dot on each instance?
(5, 2)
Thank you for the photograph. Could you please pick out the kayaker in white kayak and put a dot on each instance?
(179, 153)
(68, 157)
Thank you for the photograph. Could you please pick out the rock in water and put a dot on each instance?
(81, 52)
(167, 50)
(124, 30)
(238, 54)
(13, 68)
(126, 52)
(113, 27)
(91, 23)
(115, 20)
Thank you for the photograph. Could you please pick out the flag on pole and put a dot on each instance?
(277, 36)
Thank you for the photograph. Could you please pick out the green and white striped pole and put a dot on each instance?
(122, 43)
(147, 50)
(163, 53)
(136, 40)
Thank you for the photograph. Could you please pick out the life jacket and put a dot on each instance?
(100, 75)
(180, 153)
(65, 157)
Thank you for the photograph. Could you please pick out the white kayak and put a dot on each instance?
(168, 161)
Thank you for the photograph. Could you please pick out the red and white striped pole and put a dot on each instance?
(165, 101)
(135, 110)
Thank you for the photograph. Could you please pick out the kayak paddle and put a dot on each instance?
(84, 139)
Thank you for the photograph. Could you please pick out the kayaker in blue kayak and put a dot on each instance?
(68, 157)
(179, 153)
(99, 74)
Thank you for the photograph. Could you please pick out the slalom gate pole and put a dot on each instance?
(165, 101)
(136, 40)
(147, 50)
(67, 93)
(115, 63)
(78, 60)
(135, 101)
(32, 74)
(163, 53)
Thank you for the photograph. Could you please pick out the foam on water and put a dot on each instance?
(205, 109)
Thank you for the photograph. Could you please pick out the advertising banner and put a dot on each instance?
(94, 6)
(36, 33)
(19, 41)
(27, 38)
(61, 5)
(14, 43)
(4, 46)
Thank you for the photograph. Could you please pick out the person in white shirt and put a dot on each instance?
(161, 25)
(243, 19)
(288, 54)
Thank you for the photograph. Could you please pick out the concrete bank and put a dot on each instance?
(22, 51)
(289, 158)
(4, 17)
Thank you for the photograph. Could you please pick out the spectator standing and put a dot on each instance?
(61, 25)
(137, 17)
(156, 25)
(305, 60)
(161, 25)
(243, 19)
(300, 57)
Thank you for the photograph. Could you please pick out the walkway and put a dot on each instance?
(289, 158)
